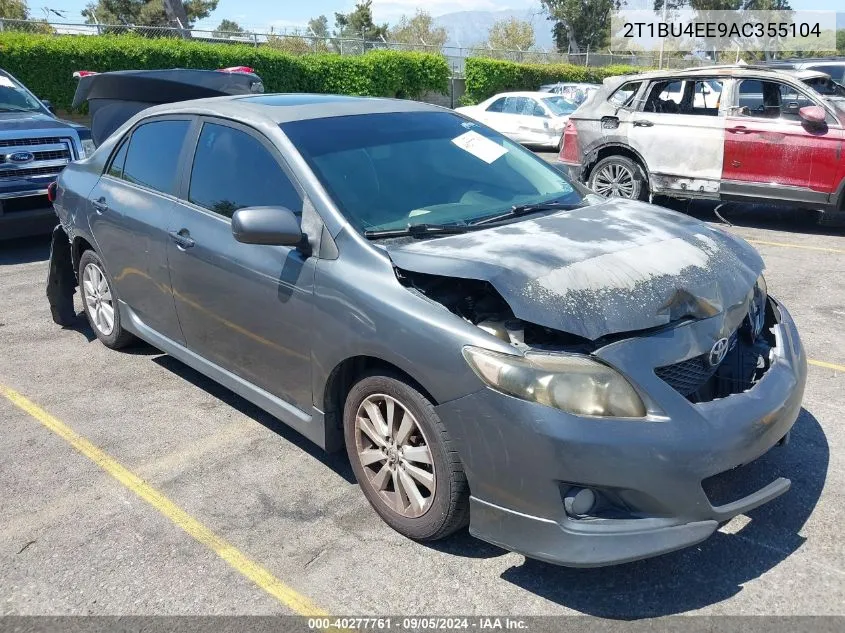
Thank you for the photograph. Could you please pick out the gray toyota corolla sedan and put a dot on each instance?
(575, 377)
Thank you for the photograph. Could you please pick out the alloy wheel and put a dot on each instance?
(395, 455)
(98, 298)
(614, 179)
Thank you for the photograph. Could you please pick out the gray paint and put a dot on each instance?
(273, 323)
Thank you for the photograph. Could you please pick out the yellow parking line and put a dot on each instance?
(801, 246)
(820, 363)
(236, 559)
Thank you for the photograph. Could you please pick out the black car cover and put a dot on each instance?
(115, 97)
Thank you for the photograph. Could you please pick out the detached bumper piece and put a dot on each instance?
(61, 279)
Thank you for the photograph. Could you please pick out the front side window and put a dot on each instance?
(514, 105)
(770, 100)
(388, 170)
(152, 159)
(233, 170)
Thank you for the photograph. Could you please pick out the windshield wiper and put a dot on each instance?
(526, 209)
(14, 109)
(421, 230)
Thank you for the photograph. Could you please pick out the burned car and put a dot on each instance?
(493, 344)
(742, 133)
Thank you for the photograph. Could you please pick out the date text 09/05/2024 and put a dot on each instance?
(417, 623)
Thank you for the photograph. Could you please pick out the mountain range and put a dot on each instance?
(469, 28)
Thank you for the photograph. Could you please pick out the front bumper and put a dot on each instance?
(521, 457)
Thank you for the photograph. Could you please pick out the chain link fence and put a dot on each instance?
(296, 42)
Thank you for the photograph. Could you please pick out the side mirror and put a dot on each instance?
(49, 106)
(276, 226)
(812, 114)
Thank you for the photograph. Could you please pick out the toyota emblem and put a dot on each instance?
(718, 352)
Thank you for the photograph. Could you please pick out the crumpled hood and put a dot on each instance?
(30, 121)
(618, 266)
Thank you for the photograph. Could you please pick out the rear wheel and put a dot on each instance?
(404, 460)
(100, 302)
(619, 176)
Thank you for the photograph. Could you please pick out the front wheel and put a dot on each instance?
(618, 176)
(404, 460)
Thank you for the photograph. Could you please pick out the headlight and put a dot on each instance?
(573, 383)
(87, 147)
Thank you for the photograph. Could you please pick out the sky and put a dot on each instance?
(262, 14)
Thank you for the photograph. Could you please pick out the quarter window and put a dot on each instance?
(116, 166)
(497, 106)
(233, 170)
(624, 94)
(152, 159)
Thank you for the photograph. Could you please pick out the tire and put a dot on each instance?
(631, 179)
(432, 512)
(99, 301)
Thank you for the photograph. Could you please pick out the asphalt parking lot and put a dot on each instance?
(133, 485)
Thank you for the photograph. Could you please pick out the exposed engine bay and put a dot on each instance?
(746, 360)
(479, 303)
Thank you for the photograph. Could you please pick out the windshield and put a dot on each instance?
(386, 171)
(825, 86)
(559, 105)
(15, 98)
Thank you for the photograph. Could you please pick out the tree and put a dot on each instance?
(419, 30)
(581, 24)
(359, 23)
(840, 41)
(319, 27)
(511, 35)
(13, 10)
(144, 12)
(227, 28)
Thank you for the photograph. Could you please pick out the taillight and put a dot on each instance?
(84, 73)
(51, 191)
(236, 69)
(570, 152)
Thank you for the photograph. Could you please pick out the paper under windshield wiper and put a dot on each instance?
(421, 230)
(525, 209)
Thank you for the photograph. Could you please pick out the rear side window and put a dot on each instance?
(152, 159)
(233, 170)
(624, 94)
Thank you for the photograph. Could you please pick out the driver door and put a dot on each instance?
(244, 307)
(770, 151)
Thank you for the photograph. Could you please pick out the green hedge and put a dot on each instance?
(486, 77)
(45, 64)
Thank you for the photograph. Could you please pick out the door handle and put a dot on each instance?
(739, 129)
(182, 238)
(100, 204)
(643, 123)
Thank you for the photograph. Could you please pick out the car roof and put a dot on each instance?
(731, 70)
(284, 108)
(523, 93)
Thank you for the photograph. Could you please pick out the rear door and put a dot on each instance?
(133, 203)
(679, 136)
(244, 307)
(770, 151)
